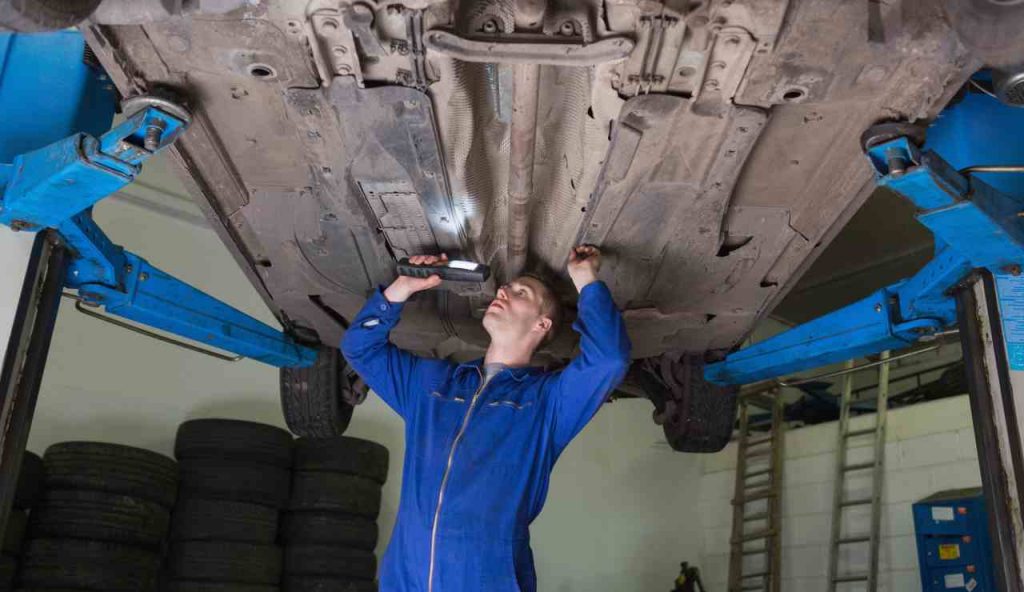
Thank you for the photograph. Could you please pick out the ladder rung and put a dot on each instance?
(753, 497)
(863, 432)
(763, 550)
(859, 466)
(857, 502)
(856, 539)
(758, 441)
(757, 473)
(757, 453)
(760, 484)
(755, 517)
(851, 578)
(758, 574)
(753, 587)
(753, 536)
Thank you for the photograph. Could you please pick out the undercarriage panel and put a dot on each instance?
(710, 148)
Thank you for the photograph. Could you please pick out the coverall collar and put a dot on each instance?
(518, 374)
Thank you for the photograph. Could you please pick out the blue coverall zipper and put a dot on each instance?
(447, 471)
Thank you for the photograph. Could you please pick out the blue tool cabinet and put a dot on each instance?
(953, 550)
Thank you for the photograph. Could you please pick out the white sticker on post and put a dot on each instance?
(971, 585)
(1010, 290)
(942, 514)
(955, 580)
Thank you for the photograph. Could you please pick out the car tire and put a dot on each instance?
(334, 492)
(112, 468)
(100, 516)
(352, 456)
(321, 584)
(35, 16)
(312, 398)
(15, 534)
(329, 561)
(68, 563)
(30, 481)
(215, 520)
(233, 440)
(8, 567)
(329, 528)
(251, 483)
(217, 561)
(695, 415)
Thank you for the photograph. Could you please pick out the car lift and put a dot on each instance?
(973, 283)
(60, 163)
(57, 160)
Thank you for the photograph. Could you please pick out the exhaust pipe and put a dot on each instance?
(522, 146)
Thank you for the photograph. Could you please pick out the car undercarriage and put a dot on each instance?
(710, 149)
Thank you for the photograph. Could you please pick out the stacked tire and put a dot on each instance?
(235, 479)
(101, 520)
(29, 481)
(330, 529)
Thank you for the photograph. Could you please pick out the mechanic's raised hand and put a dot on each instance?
(584, 263)
(402, 288)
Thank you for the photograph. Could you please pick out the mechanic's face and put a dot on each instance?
(515, 313)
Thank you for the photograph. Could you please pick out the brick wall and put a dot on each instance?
(929, 447)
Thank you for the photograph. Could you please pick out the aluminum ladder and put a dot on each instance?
(755, 558)
(876, 467)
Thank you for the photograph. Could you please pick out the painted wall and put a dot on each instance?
(622, 509)
(14, 251)
(929, 448)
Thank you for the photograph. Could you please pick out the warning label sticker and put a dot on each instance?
(949, 552)
(1011, 307)
(954, 580)
(942, 514)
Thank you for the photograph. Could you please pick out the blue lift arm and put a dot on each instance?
(974, 225)
(56, 186)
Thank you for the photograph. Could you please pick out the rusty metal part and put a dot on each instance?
(525, 86)
(529, 14)
(527, 49)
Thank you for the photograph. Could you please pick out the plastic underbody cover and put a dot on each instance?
(711, 161)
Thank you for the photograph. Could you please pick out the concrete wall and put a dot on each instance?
(622, 509)
(929, 447)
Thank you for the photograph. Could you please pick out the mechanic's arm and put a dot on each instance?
(389, 371)
(582, 387)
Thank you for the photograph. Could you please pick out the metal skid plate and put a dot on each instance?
(655, 171)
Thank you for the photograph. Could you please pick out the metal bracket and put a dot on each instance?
(527, 49)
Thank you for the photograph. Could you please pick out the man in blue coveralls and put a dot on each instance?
(482, 437)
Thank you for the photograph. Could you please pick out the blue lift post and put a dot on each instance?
(57, 164)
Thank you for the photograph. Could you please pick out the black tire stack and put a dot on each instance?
(235, 478)
(102, 518)
(29, 481)
(330, 529)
